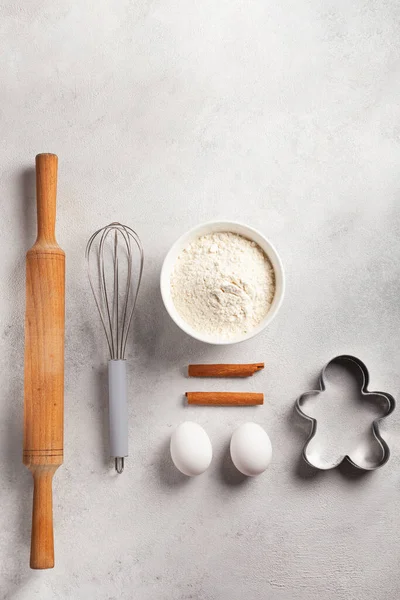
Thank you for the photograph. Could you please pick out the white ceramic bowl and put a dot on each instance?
(213, 227)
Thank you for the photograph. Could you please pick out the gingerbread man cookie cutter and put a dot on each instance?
(381, 398)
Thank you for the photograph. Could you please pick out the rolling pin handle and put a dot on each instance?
(46, 193)
(42, 540)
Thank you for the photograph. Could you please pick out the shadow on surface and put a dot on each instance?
(228, 473)
(101, 396)
(301, 469)
(157, 339)
(18, 477)
(351, 473)
(28, 205)
(169, 475)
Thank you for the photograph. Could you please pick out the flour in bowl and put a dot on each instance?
(223, 284)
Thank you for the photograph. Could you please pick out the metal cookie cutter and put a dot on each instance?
(379, 397)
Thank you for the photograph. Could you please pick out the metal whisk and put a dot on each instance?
(115, 285)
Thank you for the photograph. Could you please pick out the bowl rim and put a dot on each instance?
(212, 227)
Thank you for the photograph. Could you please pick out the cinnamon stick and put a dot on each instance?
(241, 370)
(225, 398)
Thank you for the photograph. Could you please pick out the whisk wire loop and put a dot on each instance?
(115, 305)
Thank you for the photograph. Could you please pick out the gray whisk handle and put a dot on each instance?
(118, 408)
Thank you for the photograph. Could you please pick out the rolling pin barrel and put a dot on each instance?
(44, 362)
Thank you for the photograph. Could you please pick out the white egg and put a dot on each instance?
(251, 449)
(191, 449)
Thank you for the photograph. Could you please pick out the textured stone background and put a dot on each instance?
(284, 115)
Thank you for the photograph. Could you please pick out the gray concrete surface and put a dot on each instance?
(284, 115)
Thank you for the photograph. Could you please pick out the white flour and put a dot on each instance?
(223, 284)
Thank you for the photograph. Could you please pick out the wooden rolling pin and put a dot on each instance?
(44, 362)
